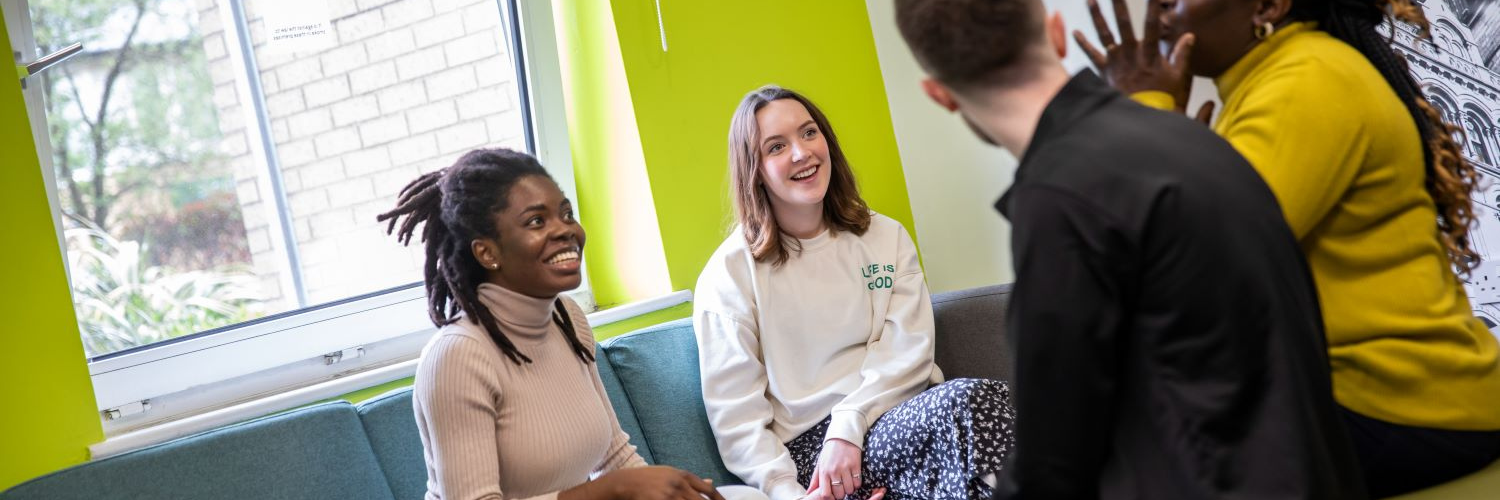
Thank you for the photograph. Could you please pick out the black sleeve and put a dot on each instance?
(1066, 319)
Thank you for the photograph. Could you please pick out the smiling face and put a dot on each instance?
(539, 249)
(794, 156)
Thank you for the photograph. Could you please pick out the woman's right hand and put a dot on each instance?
(817, 491)
(647, 483)
(1133, 65)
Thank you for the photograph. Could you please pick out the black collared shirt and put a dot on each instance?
(1166, 329)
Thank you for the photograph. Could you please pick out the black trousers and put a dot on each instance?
(1400, 459)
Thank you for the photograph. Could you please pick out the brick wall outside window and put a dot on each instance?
(410, 85)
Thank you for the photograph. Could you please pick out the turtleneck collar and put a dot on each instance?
(1236, 74)
(518, 314)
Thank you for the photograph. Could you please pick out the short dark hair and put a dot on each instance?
(964, 43)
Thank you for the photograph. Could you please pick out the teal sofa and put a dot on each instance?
(372, 450)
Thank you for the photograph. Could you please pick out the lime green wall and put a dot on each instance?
(49, 418)
(681, 100)
(716, 52)
(652, 318)
(624, 255)
(370, 392)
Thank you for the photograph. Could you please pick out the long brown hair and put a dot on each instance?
(843, 209)
(1450, 177)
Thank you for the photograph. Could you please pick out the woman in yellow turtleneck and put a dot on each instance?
(1376, 191)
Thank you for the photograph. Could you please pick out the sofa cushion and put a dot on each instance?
(1481, 484)
(971, 332)
(624, 411)
(391, 426)
(658, 369)
(318, 452)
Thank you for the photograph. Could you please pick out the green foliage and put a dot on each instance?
(159, 246)
(124, 303)
(133, 123)
(54, 21)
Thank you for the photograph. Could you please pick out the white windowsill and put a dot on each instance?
(345, 384)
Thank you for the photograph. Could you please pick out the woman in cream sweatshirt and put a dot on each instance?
(815, 333)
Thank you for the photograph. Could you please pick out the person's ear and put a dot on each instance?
(1057, 33)
(939, 94)
(1270, 11)
(486, 252)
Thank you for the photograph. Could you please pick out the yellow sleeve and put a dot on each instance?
(1306, 137)
(1155, 99)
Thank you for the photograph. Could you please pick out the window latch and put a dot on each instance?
(127, 410)
(47, 61)
(346, 354)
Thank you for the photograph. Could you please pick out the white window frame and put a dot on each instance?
(370, 334)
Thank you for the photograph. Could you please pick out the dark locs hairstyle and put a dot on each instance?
(1450, 177)
(458, 205)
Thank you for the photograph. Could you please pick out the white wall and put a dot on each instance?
(953, 179)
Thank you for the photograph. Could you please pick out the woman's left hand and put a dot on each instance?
(839, 468)
(1132, 65)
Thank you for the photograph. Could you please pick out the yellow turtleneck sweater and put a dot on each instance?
(1343, 157)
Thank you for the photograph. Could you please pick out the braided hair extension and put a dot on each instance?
(456, 205)
(1450, 177)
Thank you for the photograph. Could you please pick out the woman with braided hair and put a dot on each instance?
(1372, 183)
(508, 399)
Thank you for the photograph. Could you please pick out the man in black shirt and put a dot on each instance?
(1166, 331)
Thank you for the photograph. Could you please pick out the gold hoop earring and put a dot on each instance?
(1264, 30)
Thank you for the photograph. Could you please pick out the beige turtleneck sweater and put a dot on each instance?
(495, 429)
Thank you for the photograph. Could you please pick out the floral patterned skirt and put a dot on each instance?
(938, 444)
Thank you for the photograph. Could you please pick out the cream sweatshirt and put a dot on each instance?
(495, 429)
(844, 328)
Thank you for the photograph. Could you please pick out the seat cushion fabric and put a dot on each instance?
(658, 369)
(971, 332)
(318, 452)
(391, 426)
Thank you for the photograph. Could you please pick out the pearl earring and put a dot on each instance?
(1264, 30)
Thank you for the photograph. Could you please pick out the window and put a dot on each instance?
(1452, 41)
(1440, 100)
(218, 180)
(1477, 132)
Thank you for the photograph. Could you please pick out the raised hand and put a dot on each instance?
(1137, 65)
